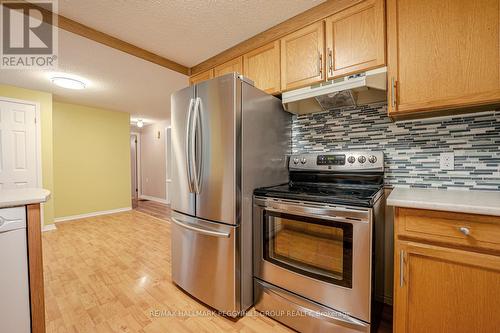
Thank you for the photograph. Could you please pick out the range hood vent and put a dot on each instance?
(359, 89)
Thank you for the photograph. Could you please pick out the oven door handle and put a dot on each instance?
(315, 215)
(332, 316)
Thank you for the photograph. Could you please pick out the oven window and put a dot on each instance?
(318, 248)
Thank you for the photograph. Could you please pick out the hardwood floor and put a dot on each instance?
(153, 208)
(111, 273)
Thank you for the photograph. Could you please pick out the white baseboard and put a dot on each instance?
(49, 227)
(160, 200)
(82, 216)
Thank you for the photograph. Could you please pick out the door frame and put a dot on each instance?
(138, 163)
(38, 143)
(168, 175)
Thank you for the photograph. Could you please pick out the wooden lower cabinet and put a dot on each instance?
(35, 265)
(440, 288)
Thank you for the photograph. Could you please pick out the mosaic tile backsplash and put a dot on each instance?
(411, 148)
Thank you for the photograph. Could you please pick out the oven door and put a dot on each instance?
(320, 252)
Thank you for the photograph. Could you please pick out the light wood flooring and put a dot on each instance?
(111, 273)
(153, 208)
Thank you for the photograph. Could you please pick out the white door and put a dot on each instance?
(18, 160)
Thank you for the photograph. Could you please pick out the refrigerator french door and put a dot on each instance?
(204, 186)
(219, 128)
(205, 124)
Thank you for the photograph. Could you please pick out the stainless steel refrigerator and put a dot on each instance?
(228, 138)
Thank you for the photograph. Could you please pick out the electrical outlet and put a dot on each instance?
(447, 161)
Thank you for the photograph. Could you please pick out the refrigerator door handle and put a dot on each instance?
(197, 158)
(189, 146)
(202, 231)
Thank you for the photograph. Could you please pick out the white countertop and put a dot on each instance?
(22, 197)
(473, 202)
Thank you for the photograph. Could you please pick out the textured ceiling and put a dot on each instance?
(116, 80)
(186, 31)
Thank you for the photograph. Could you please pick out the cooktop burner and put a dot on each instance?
(353, 178)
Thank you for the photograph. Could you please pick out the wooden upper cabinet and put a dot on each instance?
(203, 76)
(235, 65)
(442, 54)
(262, 65)
(440, 289)
(302, 57)
(355, 39)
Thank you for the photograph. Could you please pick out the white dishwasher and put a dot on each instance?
(14, 283)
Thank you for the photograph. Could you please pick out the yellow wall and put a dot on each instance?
(45, 101)
(91, 159)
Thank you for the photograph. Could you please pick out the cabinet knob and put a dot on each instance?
(465, 231)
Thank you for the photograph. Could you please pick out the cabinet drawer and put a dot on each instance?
(470, 230)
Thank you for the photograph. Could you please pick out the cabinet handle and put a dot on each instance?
(393, 93)
(330, 60)
(320, 64)
(401, 268)
(464, 230)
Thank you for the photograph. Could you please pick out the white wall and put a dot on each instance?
(153, 161)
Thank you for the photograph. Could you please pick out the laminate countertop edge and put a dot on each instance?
(457, 201)
(23, 197)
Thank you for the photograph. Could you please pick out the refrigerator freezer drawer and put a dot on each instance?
(204, 261)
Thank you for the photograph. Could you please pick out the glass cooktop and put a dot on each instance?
(347, 189)
(353, 195)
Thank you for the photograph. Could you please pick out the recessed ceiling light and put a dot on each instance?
(68, 83)
(140, 123)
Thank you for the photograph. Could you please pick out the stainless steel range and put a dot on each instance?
(318, 242)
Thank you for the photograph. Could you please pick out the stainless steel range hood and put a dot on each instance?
(359, 89)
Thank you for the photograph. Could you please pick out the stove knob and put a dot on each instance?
(303, 160)
(295, 160)
(361, 159)
(372, 159)
(351, 159)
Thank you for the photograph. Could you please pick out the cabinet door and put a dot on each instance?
(355, 39)
(235, 65)
(263, 67)
(445, 290)
(302, 57)
(442, 54)
(203, 76)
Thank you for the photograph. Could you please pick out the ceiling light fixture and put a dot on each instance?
(68, 83)
(140, 123)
